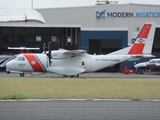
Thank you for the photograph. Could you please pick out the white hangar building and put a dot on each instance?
(98, 29)
(104, 23)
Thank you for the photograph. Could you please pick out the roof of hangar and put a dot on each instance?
(20, 14)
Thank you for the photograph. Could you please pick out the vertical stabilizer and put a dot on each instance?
(144, 42)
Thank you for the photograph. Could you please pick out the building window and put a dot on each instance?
(21, 38)
(53, 38)
(5, 38)
(38, 38)
(69, 39)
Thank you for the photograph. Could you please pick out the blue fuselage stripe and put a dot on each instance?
(41, 63)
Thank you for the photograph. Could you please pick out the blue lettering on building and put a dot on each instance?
(147, 14)
(120, 14)
(103, 14)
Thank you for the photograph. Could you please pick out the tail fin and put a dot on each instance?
(143, 43)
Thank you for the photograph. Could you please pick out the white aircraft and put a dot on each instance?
(153, 63)
(74, 62)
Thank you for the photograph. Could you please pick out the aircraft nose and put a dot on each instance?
(10, 65)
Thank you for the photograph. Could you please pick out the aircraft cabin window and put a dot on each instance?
(153, 61)
(82, 63)
(158, 61)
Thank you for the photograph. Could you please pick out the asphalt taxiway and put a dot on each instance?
(79, 110)
(88, 75)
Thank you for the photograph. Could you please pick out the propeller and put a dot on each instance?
(44, 48)
(49, 53)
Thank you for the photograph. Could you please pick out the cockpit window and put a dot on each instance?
(20, 58)
(158, 61)
(153, 61)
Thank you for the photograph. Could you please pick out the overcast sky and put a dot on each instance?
(62, 3)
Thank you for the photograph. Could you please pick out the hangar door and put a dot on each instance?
(104, 46)
(36, 36)
(156, 44)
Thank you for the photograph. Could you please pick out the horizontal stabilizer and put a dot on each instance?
(138, 57)
(143, 56)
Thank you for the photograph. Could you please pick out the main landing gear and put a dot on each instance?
(22, 74)
(72, 76)
(8, 72)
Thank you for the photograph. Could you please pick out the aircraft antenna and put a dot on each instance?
(104, 2)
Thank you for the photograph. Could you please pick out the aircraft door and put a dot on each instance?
(88, 64)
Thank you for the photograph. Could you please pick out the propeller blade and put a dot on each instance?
(49, 53)
(44, 48)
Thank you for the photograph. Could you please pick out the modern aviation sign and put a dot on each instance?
(103, 14)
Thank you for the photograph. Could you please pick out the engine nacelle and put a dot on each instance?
(59, 54)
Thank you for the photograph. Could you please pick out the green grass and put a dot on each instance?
(15, 96)
(79, 88)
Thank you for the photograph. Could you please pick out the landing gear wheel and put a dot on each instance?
(8, 72)
(22, 74)
(77, 75)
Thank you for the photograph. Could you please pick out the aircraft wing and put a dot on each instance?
(2, 57)
(62, 54)
(23, 48)
(6, 60)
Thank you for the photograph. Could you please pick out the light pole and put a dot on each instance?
(32, 4)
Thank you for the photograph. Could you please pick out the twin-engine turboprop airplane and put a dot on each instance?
(147, 66)
(153, 63)
(74, 62)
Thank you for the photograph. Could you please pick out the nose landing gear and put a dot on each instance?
(8, 72)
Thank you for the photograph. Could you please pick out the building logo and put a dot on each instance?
(101, 14)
